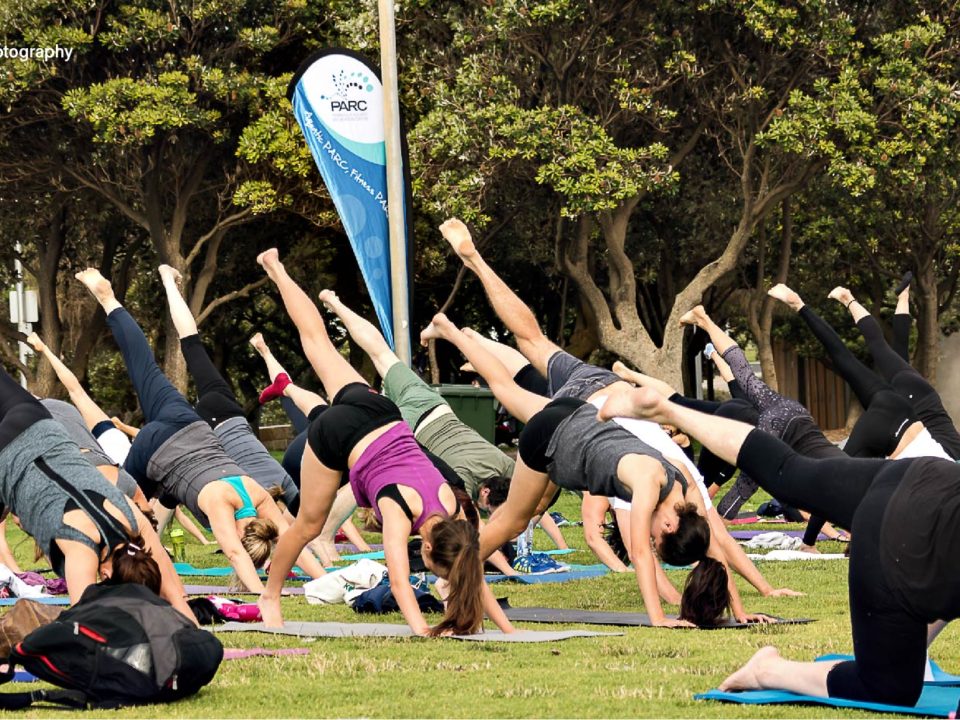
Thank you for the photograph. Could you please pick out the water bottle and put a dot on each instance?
(179, 545)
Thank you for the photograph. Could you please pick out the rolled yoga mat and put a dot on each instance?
(346, 630)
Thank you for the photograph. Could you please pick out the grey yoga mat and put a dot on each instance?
(345, 630)
(600, 617)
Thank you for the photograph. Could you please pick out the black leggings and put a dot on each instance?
(215, 399)
(901, 335)
(889, 643)
(910, 384)
(775, 414)
(18, 409)
(886, 413)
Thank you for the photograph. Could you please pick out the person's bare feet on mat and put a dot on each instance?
(748, 677)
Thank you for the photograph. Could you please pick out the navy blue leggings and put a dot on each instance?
(165, 410)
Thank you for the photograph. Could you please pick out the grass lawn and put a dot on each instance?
(642, 673)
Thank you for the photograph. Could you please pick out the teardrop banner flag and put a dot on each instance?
(337, 100)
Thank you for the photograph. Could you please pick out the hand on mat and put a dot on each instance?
(756, 618)
(673, 623)
(270, 611)
(784, 592)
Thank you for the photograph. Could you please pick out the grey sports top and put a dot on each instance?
(72, 421)
(584, 453)
(187, 462)
(242, 445)
(43, 476)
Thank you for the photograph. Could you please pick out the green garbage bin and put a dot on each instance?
(474, 406)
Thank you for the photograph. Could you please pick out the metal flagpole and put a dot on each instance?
(397, 224)
(22, 324)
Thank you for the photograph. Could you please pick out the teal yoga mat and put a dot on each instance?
(935, 701)
(188, 570)
(378, 554)
(576, 572)
(940, 676)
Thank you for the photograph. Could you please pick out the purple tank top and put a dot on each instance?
(394, 458)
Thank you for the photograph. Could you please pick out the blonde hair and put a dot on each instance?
(258, 539)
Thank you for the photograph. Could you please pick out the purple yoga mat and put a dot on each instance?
(351, 549)
(747, 534)
(238, 654)
(224, 591)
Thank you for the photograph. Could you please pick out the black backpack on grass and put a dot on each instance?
(120, 645)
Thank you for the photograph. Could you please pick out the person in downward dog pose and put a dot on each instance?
(217, 404)
(569, 377)
(561, 445)
(82, 523)
(905, 517)
(176, 455)
(363, 432)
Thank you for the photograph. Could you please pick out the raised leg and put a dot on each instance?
(363, 332)
(334, 371)
(520, 403)
(511, 310)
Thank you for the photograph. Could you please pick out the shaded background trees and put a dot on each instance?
(618, 162)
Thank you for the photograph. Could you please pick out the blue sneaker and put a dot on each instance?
(559, 519)
(538, 563)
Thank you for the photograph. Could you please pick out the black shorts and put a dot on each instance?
(537, 433)
(356, 411)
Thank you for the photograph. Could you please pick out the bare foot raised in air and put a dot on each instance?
(436, 329)
(696, 317)
(622, 371)
(99, 287)
(168, 273)
(258, 343)
(644, 403)
(842, 295)
(456, 233)
(330, 300)
(749, 676)
(269, 260)
(787, 296)
(34, 341)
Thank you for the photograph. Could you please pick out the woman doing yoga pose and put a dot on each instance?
(177, 456)
(905, 517)
(81, 522)
(363, 432)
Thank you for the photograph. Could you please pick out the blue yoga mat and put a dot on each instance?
(940, 676)
(576, 572)
(46, 600)
(935, 701)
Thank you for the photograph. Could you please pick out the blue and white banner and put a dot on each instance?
(337, 99)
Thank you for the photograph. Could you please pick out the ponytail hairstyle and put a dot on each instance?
(706, 596)
(455, 553)
(691, 539)
(466, 504)
(276, 492)
(133, 563)
(615, 540)
(258, 539)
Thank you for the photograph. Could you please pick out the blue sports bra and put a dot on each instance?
(248, 510)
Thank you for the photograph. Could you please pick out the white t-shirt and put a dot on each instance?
(923, 445)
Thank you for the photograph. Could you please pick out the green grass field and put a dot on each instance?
(642, 673)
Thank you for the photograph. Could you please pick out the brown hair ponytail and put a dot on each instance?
(455, 552)
(133, 563)
(706, 596)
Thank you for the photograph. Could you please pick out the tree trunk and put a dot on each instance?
(51, 326)
(928, 323)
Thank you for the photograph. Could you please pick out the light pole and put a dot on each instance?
(395, 218)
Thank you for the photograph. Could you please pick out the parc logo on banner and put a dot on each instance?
(337, 99)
